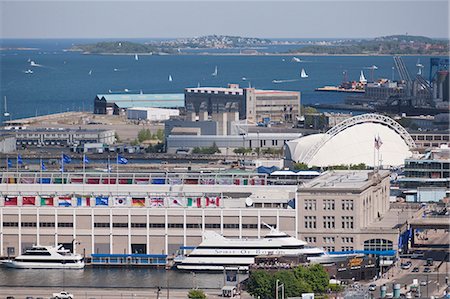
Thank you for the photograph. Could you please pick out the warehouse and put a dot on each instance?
(151, 114)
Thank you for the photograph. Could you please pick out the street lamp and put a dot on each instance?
(277, 287)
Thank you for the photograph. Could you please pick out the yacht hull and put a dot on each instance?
(36, 265)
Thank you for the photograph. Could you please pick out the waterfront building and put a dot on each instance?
(115, 104)
(151, 114)
(371, 139)
(62, 136)
(324, 121)
(252, 104)
(159, 213)
(348, 210)
(429, 139)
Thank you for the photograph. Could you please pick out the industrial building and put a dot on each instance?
(252, 104)
(151, 114)
(62, 136)
(430, 139)
(157, 213)
(354, 141)
(7, 143)
(115, 104)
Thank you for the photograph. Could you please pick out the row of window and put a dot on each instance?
(136, 225)
(329, 222)
(343, 248)
(328, 204)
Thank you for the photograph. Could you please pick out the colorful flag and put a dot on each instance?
(101, 201)
(46, 201)
(8, 161)
(19, 159)
(121, 160)
(157, 202)
(28, 200)
(43, 168)
(120, 201)
(83, 201)
(11, 201)
(64, 201)
(378, 143)
(212, 201)
(176, 202)
(197, 202)
(138, 202)
(66, 159)
(85, 159)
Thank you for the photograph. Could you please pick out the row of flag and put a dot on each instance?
(65, 159)
(155, 201)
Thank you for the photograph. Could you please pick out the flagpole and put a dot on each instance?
(17, 168)
(117, 173)
(374, 153)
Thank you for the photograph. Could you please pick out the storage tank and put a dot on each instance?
(396, 290)
(383, 290)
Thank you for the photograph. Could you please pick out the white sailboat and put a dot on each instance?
(90, 72)
(303, 74)
(28, 71)
(215, 72)
(136, 57)
(170, 78)
(362, 79)
(296, 59)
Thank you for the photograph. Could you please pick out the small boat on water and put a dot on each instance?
(296, 59)
(136, 57)
(170, 78)
(90, 72)
(215, 72)
(303, 74)
(28, 71)
(46, 257)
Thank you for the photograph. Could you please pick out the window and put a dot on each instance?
(310, 204)
(139, 225)
(310, 221)
(328, 240)
(193, 225)
(252, 226)
(10, 224)
(378, 244)
(156, 225)
(347, 248)
(347, 222)
(328, 204)
(347, 204)
(175, 225)
(329, 248)
(311, 239)
(347, 240)
(47, 224)
(120, 224)
(65, 224)
(212, 225)
(101, 224)
(328, 222)
(28, 224)
(231, 225)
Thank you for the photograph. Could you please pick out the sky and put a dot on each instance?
(251, 18)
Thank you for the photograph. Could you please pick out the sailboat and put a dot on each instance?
(136, 57)
(362, 79)
(215, 72)
(6, 113)
(170, 78)
(296, 59)
(90, 72)
(28, 71)
(303, 74)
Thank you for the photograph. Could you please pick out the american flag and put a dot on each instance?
(378, 143)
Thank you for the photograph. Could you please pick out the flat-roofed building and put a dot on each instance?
(252, 104)
(151, 114)
(342, 210)
(429, 139)
(115, 104)
(7, 143)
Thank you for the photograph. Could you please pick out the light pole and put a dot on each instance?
(277, 287)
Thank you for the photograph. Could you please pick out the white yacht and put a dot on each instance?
(303, 74)
(217, 252)
(46, 257)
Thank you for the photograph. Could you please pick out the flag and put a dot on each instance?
(46, 201)
(378, 143)
(28, 200)
(83, 201)
(121, 160)
(138, 202)
(66, 159)
(194, 202)
(10, 201)
(157, 202)
(176, 202)
(19, 160)
(120, 201)
(85, 159)
(43, 166)
(64, 201)
(212, 201)
(8, 161)
(101, 201)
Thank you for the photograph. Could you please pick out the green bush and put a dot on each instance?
(196, 294)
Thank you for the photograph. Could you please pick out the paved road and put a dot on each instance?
(106, 293)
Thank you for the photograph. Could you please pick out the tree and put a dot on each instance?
(300, 166)
(143, 135)
(196, 294)
(260, 284)
(293, 287)
(160, 134)
(315, 276)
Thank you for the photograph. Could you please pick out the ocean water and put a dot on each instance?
(62, 82)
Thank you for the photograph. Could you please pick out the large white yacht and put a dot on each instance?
(46, 257)
(217, 252)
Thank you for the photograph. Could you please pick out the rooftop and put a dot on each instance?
(172, 100)
(343, 179)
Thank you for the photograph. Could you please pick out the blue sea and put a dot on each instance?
(61, 81)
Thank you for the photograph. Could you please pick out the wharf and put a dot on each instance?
(343, 107)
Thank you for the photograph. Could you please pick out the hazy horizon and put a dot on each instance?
(299, 19)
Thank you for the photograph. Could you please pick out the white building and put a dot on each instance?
(151, 114)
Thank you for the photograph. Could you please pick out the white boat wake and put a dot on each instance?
(284, 81)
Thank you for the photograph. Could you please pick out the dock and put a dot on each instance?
(340, 89)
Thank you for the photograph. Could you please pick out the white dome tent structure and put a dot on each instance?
(354, 141)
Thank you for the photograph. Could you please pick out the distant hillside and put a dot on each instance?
(120, 47)
(394, 44)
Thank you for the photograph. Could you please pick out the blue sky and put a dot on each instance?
(282, 19)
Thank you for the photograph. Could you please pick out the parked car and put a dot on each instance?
(427, 270)
(372, 287)
(62, 295)
(406, 265)
(415, 269)
(423, 283)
